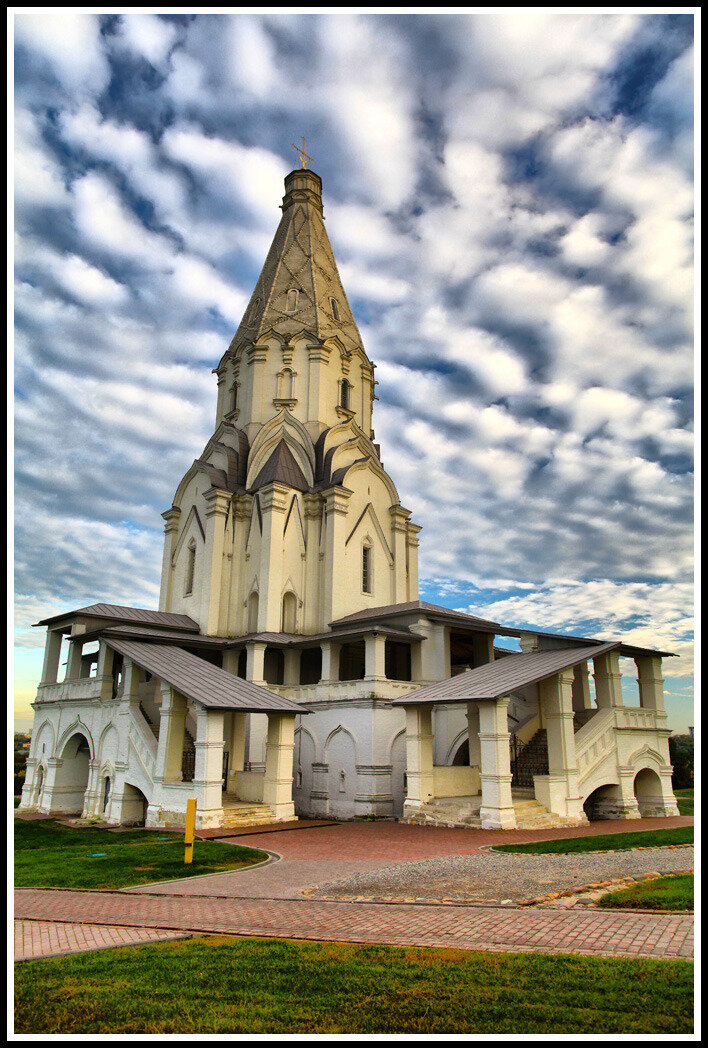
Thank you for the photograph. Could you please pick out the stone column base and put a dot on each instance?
(497, 818)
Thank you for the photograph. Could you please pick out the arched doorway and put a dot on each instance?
(135, 805)
(604, 803)
(647, 790)
(72, 776)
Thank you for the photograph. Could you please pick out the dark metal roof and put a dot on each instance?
(166, 619)
(148, 633)
(281, 467)
(201, 681)
(502, 676)
(421, 606)
(628, 650)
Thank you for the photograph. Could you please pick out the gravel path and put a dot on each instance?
(501, 876)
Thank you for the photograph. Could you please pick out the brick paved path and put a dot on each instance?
(55, 938)
(468, 927)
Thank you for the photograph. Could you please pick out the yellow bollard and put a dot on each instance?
(189, 829)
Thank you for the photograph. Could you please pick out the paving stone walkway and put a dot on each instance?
(468, 927)
(56, 938)
(274, 900)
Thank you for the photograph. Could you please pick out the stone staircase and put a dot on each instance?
(530, 815)
(237, 813)
(463, 813)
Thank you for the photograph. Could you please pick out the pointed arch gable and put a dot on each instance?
(345, 431)
(283, 426)
(369, 514)
(377, 469)
(193, 515)
(77, 727)
(340, 730)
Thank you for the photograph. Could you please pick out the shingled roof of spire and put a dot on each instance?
(300, 259)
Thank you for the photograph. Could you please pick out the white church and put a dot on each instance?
(291, 670)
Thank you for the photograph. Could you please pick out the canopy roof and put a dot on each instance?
(196, 679)
(502, 676)
(119, 613)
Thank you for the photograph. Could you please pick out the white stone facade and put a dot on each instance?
(289, 562)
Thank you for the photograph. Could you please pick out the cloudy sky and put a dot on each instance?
(509, 198)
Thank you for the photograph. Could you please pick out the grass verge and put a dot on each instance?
(604, 842)
(663, 893)
(50, 854)
(218, 985)
(684, 799)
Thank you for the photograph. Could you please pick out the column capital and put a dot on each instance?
(274, 496)
(218, 501)
(336, 499)
(399, 517)
(171, 518)
(319, 353)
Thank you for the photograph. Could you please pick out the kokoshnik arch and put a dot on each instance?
(291, 668)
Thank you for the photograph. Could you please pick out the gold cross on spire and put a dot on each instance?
(303, 154)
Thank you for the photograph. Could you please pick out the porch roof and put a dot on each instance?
(120, 613)
(196, 679)
(502, 676)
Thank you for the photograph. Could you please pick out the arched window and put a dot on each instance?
(106, 792)
(344, 395)
(254, 309)
(293, 296)
(234, 397)
(286, 384)
(289, 616)
(335, 308)
(253, 613)
(366, 569)
(191, 562)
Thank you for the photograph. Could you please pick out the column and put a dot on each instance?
(73, 666)
(528, 642)
(104, 670)
(608, 680)
(497, 810)
(430, 658)
(255, 658)
(171, 519)
(318, 358)
(558, 791)
(399, 534)
(650, 682)
(312, 505)
(237, 743)
(278, 780)
(274, 502)
(291, 673)
(483, 648)
(93, 799)
(412, 561)
(208, 764)
(170, 741)
(52, 654)
(217, 510)
(334, 595)
(473, 731)
(375, 657)
(419, 758)
(330, 661)
(581, 688)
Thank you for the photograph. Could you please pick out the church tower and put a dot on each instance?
(288, 521)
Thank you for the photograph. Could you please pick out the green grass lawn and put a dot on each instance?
(605, 842)
(50, 854)
(684, 799)
(664, 893)
(217, 985)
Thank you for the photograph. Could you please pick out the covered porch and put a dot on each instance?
(586, 746)
(200, 719)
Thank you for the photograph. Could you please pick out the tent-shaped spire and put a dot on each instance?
(299, 286)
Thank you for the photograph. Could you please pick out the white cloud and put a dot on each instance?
(70, 42)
